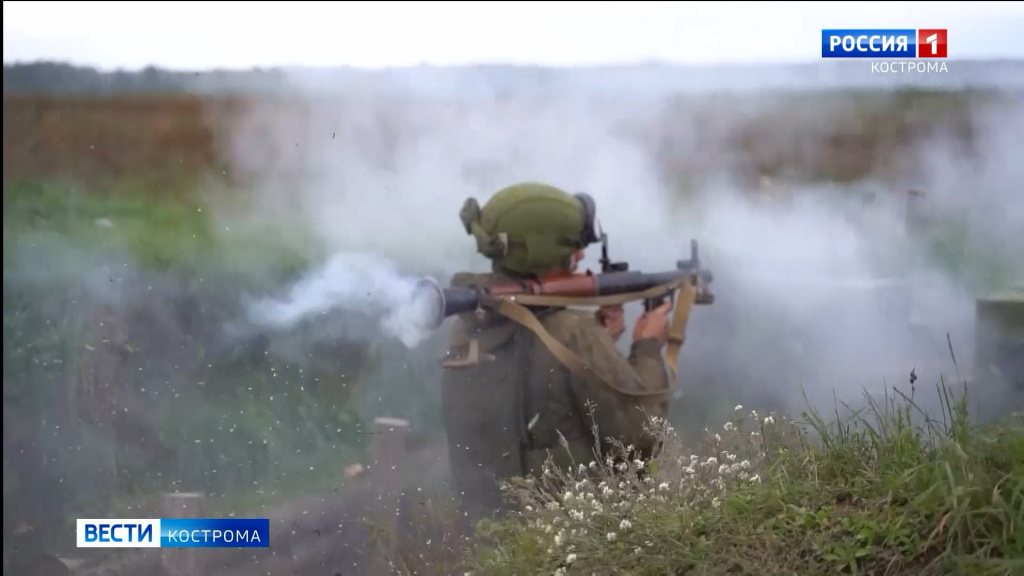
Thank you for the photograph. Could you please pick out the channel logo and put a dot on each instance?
(173, 533)
(884, 43)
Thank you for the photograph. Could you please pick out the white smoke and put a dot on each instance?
(811, 297)
(362, 287)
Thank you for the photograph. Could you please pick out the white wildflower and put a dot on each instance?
(738, 407)
(570, 558)
(715, 502)
(576, 515)
(755, 478)
(693, 458)
(558, 538)
(639, 464)
(529, 508)
(625, 525)
(560, 571)
(568, 496)
(730, 457)
(718, 438)
(712, 461)
(663, 486)
(769, 420)
(611, 536)
(728, 427)
(745, 465)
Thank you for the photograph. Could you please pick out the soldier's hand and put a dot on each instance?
(613, 318)
(653, 324)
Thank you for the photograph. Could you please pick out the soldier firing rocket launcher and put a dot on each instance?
(616, 284)
(536, 233)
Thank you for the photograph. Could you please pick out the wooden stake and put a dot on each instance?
(388, 452)
(182, 561)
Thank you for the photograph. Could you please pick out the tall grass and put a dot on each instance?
(886, 489)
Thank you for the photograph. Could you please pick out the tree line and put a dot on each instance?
(61, 78)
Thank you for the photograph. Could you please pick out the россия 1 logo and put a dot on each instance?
(884, 44)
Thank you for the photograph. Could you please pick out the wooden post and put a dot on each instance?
(388, 451)
(182, 561)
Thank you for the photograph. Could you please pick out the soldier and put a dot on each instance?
(508, 402)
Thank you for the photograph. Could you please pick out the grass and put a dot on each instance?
(885, 490)
(159, 224)
(55, 232)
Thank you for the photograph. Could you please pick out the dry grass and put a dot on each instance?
(115, 136)
(816, 135)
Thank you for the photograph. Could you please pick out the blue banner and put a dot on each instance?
(214, 532)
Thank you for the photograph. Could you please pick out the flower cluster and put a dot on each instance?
(570, 512)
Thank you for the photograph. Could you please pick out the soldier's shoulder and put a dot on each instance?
(564, 324)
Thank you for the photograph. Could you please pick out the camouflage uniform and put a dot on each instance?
(507, 399)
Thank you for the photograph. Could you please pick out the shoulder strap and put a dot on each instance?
(522, 315)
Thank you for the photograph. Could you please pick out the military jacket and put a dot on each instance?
(508, 401)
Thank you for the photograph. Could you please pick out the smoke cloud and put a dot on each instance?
(362, 287)
(822, 294)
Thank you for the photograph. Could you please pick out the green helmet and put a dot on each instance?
(529, 228)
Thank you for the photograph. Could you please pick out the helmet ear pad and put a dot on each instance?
(589, 234)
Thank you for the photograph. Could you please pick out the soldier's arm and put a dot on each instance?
(626, 394)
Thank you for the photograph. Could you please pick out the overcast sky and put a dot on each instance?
(201, 35)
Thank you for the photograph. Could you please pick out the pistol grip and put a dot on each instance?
(652, 303)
